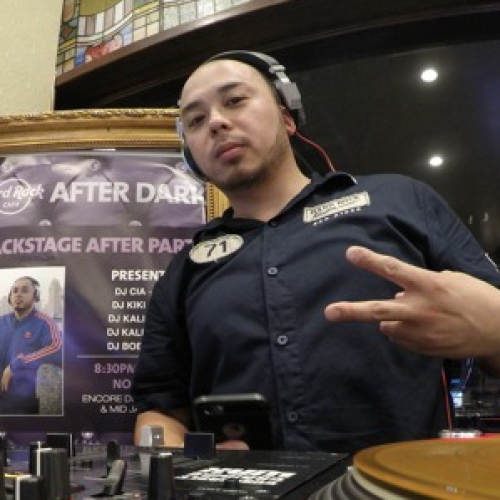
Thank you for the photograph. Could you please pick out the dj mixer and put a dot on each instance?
(199, 472)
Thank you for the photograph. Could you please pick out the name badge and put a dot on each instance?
(214, 250)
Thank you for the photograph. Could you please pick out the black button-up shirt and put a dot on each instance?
(243, 312)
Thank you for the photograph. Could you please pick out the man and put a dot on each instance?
(28, 339)
(244, 309)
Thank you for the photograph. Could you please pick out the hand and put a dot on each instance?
(232, 445)
(444, 314)
(174, 424)
(6, 376)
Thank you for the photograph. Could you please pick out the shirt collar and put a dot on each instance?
(338, 179)
(333, 180)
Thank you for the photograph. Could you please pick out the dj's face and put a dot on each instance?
(22, 295)
(233, 124)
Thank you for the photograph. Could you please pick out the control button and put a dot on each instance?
(292, 416)
(113, 482)
(151, 435)
(32, 488)
(282, 339)
(199, 444)
(54, 468)
(161, 477)
(113, 453)
(3, 449)
(272, 271)
(231, 483)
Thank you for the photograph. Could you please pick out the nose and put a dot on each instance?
(217, 121)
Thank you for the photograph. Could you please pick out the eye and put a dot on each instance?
(194, 121)
(236, 100)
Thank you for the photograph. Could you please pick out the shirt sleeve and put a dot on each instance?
(452, 245)
(162, 373)
(50, 342)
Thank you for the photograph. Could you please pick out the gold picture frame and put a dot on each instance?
(149, 128)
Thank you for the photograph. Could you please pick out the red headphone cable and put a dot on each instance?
(318, 148)
(449, 417)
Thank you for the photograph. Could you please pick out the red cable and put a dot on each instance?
(318, 148)
(447, 400)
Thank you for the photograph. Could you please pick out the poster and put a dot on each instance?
(95, 229)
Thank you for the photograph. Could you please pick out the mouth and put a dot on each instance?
(228, 151)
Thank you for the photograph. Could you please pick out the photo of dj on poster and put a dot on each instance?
(31, 340)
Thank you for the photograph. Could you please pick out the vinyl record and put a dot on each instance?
(440, 469)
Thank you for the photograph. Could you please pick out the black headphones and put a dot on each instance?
(273, 71)
(36, 285)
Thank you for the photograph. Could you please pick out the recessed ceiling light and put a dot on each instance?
(436, 161)
(429, 75)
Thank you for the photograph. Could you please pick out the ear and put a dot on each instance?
(290, 125)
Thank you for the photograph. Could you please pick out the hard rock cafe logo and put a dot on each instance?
(16, 195)
(337, 207)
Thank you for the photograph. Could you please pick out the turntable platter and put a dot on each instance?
(440, 469)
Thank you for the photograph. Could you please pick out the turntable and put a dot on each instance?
(439, 469)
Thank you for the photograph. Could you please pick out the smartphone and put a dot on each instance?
(243, 417)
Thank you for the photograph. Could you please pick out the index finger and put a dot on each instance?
(405, 275)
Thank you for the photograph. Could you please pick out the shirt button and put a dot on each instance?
(273, 223)
(272, 271)
(282, 339)
(292, 416)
